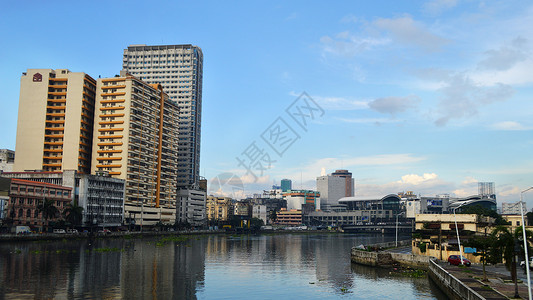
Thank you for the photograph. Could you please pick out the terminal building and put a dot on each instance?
(358, 211)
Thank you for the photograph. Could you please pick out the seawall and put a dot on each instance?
(453, 287)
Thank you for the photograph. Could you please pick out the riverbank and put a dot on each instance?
(457, 282)
(138, 234)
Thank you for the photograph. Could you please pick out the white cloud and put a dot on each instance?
(415, 179)
(469, 180)
(393, 105)
(510, 191)
(311, 170)
(509, 125)
(426, 184)
(410, 32)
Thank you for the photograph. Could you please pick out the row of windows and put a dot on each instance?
(162, 62)
(158, 55)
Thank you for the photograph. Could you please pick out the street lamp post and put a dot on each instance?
(397, 227)
(525, 241)
(457, 231)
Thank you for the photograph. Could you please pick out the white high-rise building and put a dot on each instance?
(333, 187)
(179, 70)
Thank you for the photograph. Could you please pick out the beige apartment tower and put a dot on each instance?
(136, 139)
(55, 121)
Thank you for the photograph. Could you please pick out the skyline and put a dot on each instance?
(431, 96)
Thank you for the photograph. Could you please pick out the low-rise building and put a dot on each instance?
(436, 234)
(219, 209)
(515, 221)
(7, 159)
(100, 196)
(296, 198)
(190, 206)
(27, 198)
(513, 208)
(291, 217)
(260, 212)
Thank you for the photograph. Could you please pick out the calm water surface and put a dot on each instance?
(285, 266)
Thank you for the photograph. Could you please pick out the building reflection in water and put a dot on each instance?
(311, 266)
(122, 269)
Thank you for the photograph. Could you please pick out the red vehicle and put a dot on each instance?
(456, 260)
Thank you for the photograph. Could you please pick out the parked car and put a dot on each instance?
(523, 263)
(456, 260)
(60, 231)
(72, 231)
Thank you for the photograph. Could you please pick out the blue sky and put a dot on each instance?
(428, 96)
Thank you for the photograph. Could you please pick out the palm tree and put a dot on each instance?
(48, 210)
(73, 214)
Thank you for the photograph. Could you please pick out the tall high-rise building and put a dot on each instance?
(55, 121)
(286, 185)
(136, 139)
(334, 187)
(179, 69)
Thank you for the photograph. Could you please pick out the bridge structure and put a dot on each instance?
(390, 227)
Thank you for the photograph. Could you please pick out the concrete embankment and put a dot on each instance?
(384, 259)
(55, 236)
(453, 287)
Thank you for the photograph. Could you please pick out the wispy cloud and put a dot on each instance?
(337, 103)
(461, 97)
(382, 32)
(348, 45)
(376, 121)
(510, 125)
(438, 6)
(506, 56)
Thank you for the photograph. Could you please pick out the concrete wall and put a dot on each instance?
(453, 288)
(412, 260)
(373, 259)
(386, 259)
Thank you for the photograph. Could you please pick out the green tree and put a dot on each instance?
(73, 214)
(483, 211)
(483, 245)
(529, 216)
(506, 242)
(256, 223)
(273, 216)
(49, 210)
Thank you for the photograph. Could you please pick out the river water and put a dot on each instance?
(281, 266)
